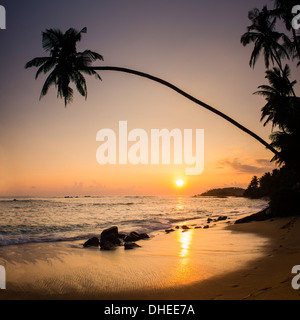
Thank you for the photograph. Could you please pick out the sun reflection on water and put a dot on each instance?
(179, 204)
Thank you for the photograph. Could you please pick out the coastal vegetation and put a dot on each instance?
(282, 108)
(223, 192)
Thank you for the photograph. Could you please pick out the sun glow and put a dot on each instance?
(179, 183)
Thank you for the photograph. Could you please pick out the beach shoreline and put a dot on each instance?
(190, 265)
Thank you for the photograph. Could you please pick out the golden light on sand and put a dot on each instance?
(179, 183)
(185, 239)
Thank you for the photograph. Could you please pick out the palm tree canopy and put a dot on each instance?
(283, 9)
(288, 146)
(262, 33)
(65, 63)
(279, 97)
(283, 110)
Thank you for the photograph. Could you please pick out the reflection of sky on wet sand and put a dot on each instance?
(179, 258)
(185, 239)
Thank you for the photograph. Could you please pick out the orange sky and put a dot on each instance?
(46, 149)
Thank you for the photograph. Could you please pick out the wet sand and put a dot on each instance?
(226, 261)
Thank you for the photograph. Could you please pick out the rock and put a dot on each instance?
(110, 231)
(121, 235)
(259, 216)
(198, 227)
(107, 245)
(144, 236)
(184, 227)
(177, 227)
(169, 230)
(130, 245)
(111, 235)
(222, 218)
(206, 227)
(134, 236)
(93, 242)
(209, 220)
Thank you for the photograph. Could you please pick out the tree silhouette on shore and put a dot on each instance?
(265, 38)
(283, 111)
(278, 96)
(67, 66)
(282, 108)
(283, 10)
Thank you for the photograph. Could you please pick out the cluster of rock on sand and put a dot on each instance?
(209, 220)
(111, 238)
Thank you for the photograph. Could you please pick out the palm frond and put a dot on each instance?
(80, 83)
(36, 62)
(255, 55)
(74, 34)
(92, 56)
(51, 80)
(51, 39)
(91, 72)
(46, 67)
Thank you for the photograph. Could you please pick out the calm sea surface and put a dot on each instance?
(24, 220)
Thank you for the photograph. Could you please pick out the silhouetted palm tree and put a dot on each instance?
(279, 98)
(283, 110)
(262, 33)
(68, 65)
(289, 148)
(283, 10)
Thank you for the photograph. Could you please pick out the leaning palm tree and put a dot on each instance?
(68, 66)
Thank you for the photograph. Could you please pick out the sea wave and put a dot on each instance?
(114, 204)
(58, 219)
(9, 240)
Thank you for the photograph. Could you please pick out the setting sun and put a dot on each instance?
(179, 183)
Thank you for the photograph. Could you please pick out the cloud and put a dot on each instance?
(263, 162)
(262, 165)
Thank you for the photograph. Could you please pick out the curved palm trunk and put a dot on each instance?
(188, 96)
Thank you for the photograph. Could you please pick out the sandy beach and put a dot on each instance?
(227, 261)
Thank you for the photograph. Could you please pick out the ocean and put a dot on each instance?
(25, 220)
